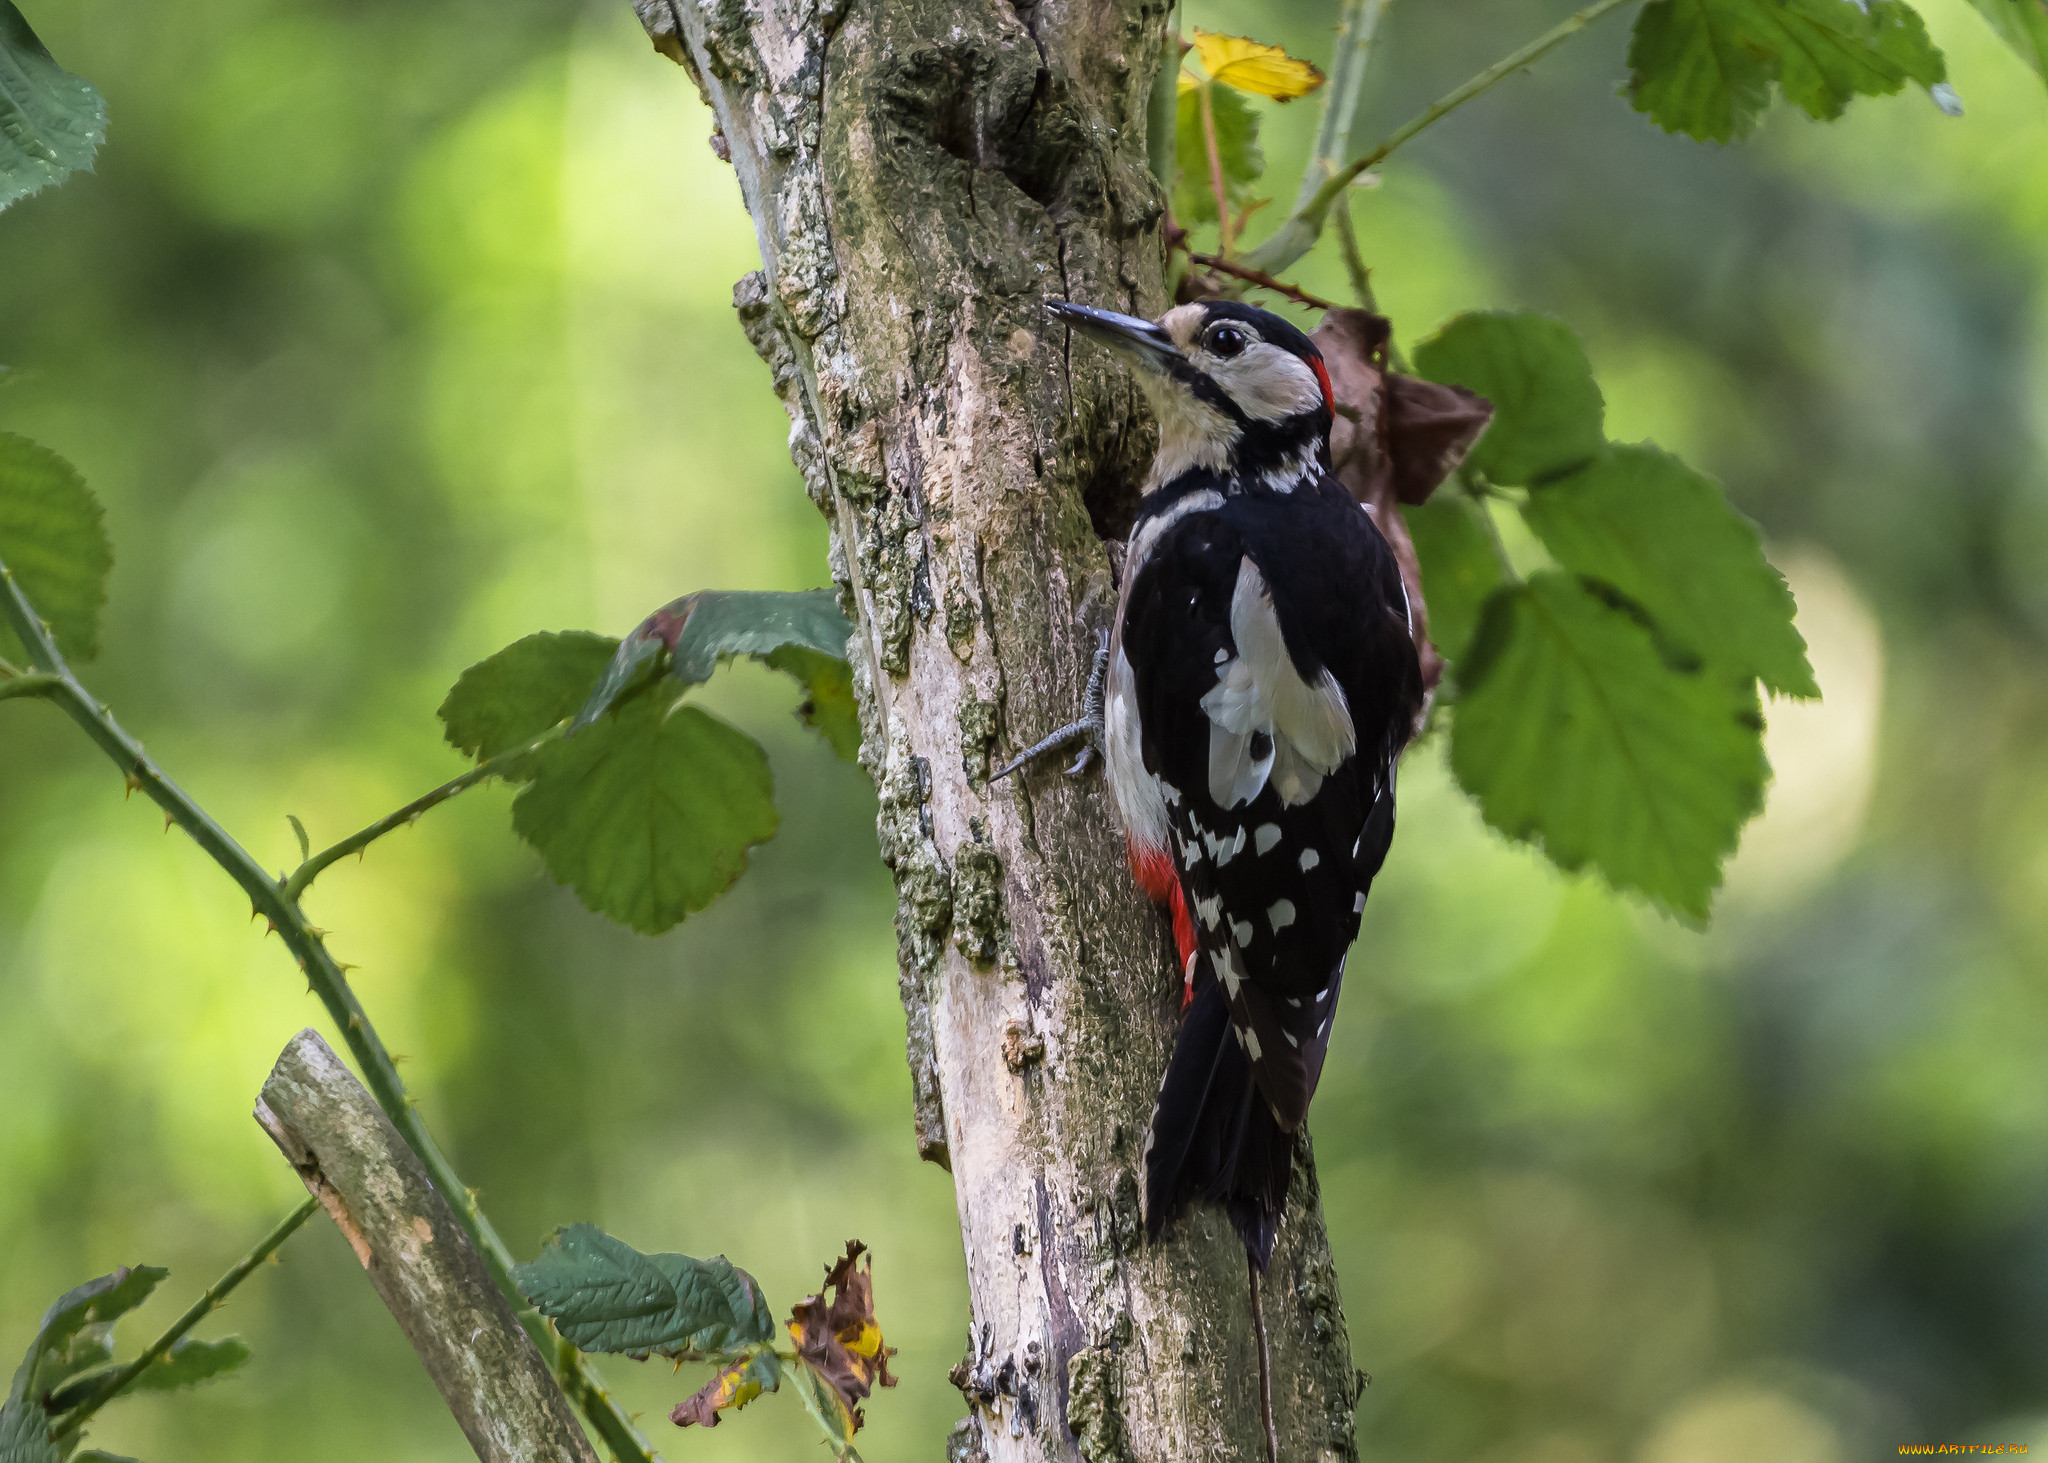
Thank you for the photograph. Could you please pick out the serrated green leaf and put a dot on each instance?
(802, 634)
(1573, 733)
(89, 1350)
(1237, 148)
(606, 1296)
(723, 623)
(51, 122)
(1643, 523)
(502, 703)
(828, 707)
(1705, 67)
(95, 1303)
(2024, 26)
(53, 539)
(1547, 411)
(649, 813)
(85, 1311)
(1460, 567)
(25, 1433)
(186, 1364)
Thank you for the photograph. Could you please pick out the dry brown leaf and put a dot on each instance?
(1395, 440)
(839, 1338)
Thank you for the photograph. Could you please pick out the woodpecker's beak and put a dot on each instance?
(1139, 342)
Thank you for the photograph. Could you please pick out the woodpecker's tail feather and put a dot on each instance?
(1213, 1136)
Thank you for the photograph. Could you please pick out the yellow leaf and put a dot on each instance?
(1255, 67)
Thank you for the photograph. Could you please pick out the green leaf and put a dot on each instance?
(605, 1296)
(92, 1304)
(25, 1433)
(802, 634)
(72, 1332)
(1459, 567)
(722, 623)
(51, 122)
(186, 1364)
(2024, 25)
(649, 813)
(1705, 67)
(101, 1455)
(506, 701)
(828, 706)
(1547, 412)
(52, 538)
(89, 1350)
(1574, 733)
(1647, 526)
(1237, 148)
(190, 1362)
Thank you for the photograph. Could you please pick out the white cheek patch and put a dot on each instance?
(1192, 433)
(1267, 383)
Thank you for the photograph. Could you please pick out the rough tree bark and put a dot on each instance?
(923, 175)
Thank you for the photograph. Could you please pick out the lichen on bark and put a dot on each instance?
(923, 175)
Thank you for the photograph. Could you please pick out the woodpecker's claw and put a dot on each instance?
(1088, 730)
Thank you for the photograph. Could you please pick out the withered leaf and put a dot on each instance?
(734, 1387)
(839, 1338)
(1395, 440)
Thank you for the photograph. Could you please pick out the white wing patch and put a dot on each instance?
(1306, 727)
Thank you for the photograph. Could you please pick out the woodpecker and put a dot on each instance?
(1261, 681)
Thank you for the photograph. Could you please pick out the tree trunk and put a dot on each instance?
(923, 175)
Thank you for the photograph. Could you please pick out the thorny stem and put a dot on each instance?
(1348, 66)
(1298, 234)
(311, 869)
(1262, 279)
(323, 977)
(1354, 262)
(210, 1300)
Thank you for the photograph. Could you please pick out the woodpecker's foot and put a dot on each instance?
(1088, 730)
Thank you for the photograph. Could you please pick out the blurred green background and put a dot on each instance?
(390, 332)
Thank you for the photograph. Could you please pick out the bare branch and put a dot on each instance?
(431, 1278)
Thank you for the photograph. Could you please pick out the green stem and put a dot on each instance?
(31, 684)
(1354, 262)
(210, 1300)
(307, 872)
(1298, 235)
(323, 975)
(1348, 66)
(1482, 500)
(1162, 109)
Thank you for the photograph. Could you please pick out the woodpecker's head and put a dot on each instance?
(1237, 390)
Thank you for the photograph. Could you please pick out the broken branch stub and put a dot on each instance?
(431, 1279)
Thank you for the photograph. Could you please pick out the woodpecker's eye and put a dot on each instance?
(1226, 341)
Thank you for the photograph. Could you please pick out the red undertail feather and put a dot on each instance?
(1156, 875)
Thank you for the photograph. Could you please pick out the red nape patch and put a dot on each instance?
(1323, 375)
(1154, 871)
